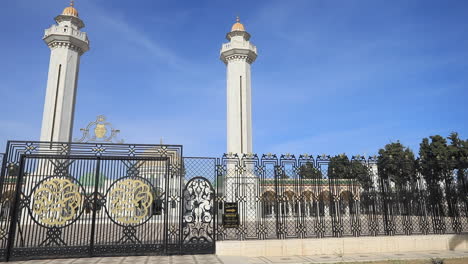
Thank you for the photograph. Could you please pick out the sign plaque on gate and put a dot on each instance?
(231, 215)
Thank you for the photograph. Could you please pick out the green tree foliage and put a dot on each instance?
(397, 164)
(458, 161)
(362, 173)
(308, 171)
(434, 159)
(340, 167)
(458, 151)
(438, 162)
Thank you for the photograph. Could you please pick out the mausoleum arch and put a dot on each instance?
(346, 195)
(268, 196)
(289, 195)
(325, 196)
(346, 202)
(269, 203)
(308, 196)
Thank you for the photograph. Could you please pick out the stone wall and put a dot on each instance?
(341, 246)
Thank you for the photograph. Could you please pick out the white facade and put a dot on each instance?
(67, 43)
(238, 55)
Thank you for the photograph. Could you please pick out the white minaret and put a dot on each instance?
(67, 43)
(238, 55)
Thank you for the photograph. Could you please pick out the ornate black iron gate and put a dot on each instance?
(72, 206)
(199, 216)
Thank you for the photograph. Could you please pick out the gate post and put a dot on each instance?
(14, 218)
(182, 172)
(277, 175)
(219, 197)
(166, 206)
(95, 201)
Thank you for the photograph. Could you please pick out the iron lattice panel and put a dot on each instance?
(279, 199)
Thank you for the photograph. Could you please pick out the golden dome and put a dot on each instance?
(237, 26)
(70, 10)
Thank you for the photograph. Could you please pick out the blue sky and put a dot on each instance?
(331, 76)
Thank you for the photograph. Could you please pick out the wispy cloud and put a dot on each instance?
(120, 28)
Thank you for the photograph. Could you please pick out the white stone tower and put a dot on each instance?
(67, 43)
(238, 55)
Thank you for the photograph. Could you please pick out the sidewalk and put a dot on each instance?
(356, 258)
(213, 259)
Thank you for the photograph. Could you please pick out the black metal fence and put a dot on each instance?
(288, 197)
(81, 199)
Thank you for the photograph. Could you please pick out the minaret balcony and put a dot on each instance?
(238, 45)
(238, 50)
(68, 31)
(63, 34)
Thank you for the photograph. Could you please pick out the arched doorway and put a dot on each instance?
(269, 200)
(308, 204)
(290, 205)
(323, 208)
(346, 203)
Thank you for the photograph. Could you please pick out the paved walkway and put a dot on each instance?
(213, 259)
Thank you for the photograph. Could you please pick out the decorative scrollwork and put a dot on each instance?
(56, 202)
(198, 208)
(130, 200)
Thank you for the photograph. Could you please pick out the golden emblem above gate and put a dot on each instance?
(99, 131)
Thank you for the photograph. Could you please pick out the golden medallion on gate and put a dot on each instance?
(130, 201)
(56, 202)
